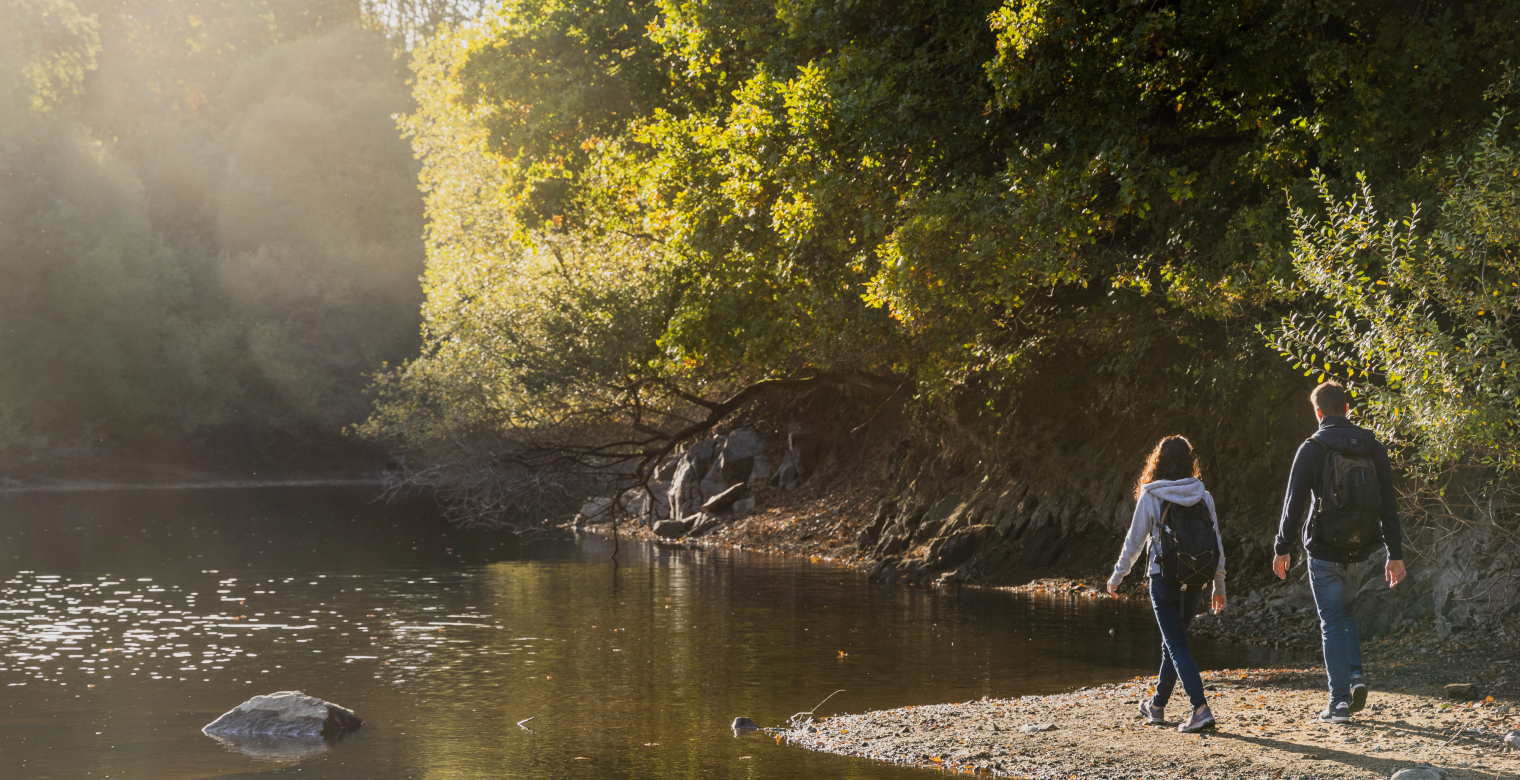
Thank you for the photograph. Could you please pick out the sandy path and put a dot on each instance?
(1265, 731)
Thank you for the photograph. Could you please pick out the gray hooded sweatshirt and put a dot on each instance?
(1145, 528)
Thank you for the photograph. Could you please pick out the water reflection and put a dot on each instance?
(469, 657)
(277, 750)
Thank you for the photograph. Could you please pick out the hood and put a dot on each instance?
(1338, 433)
(1182, 492)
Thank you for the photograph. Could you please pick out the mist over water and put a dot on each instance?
(130, 620)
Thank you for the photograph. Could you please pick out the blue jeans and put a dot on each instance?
(1175, 608)
(1335, 586)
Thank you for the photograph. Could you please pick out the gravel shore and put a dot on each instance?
(1266, 730)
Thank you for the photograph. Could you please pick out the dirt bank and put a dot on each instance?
(1266, 730)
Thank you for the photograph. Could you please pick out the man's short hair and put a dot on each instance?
(1331, 398)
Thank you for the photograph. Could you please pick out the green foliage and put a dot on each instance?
(954, 192)
(318, 225)
(524, 329)
(91, 294)
(46, 48)
(211, 223)
(1421, 325)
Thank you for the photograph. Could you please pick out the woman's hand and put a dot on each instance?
(1113, 588)
(1218, 603)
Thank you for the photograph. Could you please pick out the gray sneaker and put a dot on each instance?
(1200, 719)
(1358, 692)
(1153, 715)
(1337, 712)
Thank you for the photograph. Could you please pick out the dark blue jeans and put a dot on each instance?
(1335, 586)
(1175, 608)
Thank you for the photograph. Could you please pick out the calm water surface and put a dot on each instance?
(129, 620)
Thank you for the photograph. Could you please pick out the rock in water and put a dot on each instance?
(1462, 691)
(1420, 773)
(745, 724)
(285, 714)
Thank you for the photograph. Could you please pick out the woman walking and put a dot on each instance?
(1175, 522)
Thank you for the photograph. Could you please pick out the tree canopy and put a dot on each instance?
(947, 194)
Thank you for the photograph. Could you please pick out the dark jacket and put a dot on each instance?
(1308, 464)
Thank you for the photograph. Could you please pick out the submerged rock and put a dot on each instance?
(289, 714)
(745, 724)
(277, 749)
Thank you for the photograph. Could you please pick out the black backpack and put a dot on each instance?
(1347, 500)
(1189, 546)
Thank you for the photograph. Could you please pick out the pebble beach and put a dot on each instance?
(1266, 729)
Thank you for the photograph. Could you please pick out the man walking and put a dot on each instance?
(1340, 506)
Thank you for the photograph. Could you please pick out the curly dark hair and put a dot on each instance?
(1171, 459)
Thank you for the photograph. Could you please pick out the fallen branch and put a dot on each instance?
(796, 720)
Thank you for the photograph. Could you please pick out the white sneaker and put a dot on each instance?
(1337, 712)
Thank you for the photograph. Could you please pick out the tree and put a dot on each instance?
(957, 193)
(1421, 325)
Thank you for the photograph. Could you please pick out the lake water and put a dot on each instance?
(128, 620)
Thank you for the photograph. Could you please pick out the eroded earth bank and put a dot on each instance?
(1046, 515)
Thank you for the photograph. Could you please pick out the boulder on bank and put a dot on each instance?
(286, 714)
(701, 524)
(726, 499)
(670, 529)
(596, 510)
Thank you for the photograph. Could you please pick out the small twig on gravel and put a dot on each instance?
(795, 718)
(1461, 727)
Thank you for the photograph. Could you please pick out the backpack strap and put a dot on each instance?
(1166, 506)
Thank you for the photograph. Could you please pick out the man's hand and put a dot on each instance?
(1218, 603)
(1113, 589)
(1394, 573)
(1280, 566)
